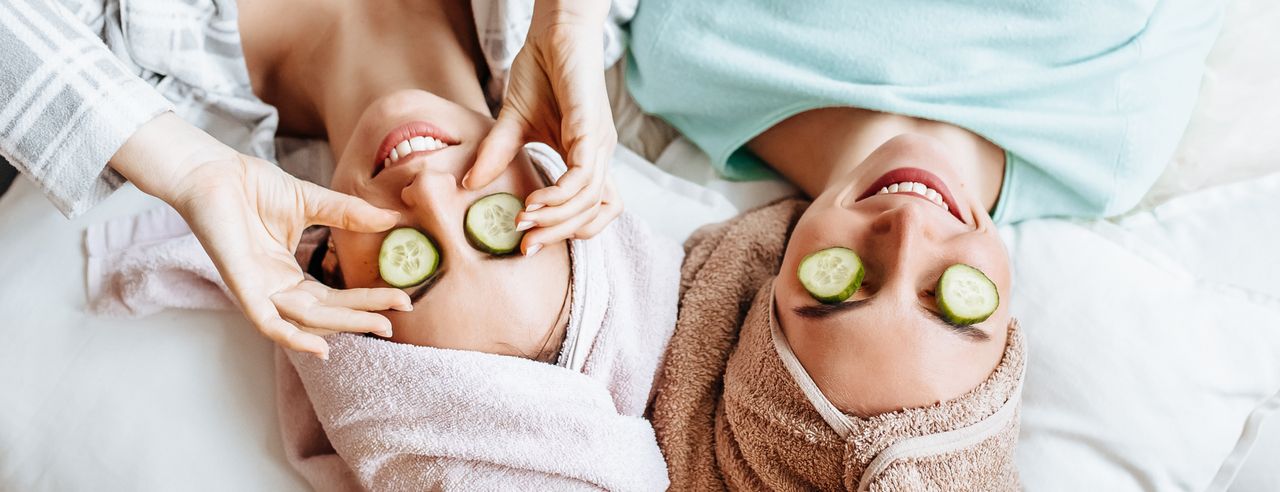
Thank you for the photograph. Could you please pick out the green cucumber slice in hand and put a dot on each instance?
(491, 223)
(966, 296)
(831, 275)
(407, 258)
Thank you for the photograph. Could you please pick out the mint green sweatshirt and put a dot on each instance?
(1088, 98)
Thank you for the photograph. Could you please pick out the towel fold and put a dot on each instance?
(404, 417)
(735, 409)
(140, 265)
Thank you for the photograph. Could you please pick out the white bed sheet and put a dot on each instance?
(181, 400)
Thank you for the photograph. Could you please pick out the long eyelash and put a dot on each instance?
(970, 332)
(422, 288)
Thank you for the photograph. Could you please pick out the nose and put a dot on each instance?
(429, 188)
(897, 234)
(903, 222)
(432, 199)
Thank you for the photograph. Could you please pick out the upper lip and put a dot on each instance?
(405, 132)
(913, 174)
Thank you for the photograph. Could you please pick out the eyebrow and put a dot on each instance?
(425, 286)
(824, 311)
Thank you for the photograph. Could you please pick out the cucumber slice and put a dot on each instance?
(831, 275)
(966, 296)
(491, 224)
(407, 258)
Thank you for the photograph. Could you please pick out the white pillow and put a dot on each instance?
(1232, 134)
(1151, 340)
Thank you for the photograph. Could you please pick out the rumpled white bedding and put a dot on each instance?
(1153, 337)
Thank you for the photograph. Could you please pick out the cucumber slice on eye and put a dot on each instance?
(966, 296)
(491, 224)
(831, 275)
(407, 258)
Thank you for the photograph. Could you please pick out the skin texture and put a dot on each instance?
(353, 71)
(889, 353)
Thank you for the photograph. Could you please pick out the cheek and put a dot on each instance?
(358, 257)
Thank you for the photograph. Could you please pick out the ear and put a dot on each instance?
(330, 270)
(323, 262)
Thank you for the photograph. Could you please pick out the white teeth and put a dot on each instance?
(419, 144)
(415, 144)
(917, 188)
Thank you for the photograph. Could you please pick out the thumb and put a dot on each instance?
(496, 151)
(330, 208)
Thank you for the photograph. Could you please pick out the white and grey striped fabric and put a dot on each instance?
(78, 77)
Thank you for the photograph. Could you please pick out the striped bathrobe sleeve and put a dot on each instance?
(66, 103)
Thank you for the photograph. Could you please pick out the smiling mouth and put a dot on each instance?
(417, 137)
(917, 183)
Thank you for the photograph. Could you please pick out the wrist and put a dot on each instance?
(161, 157)
(581, 13)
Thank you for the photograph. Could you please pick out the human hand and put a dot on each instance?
(556, 95)
(249, 216)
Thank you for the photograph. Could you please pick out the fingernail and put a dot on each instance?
(524, 225)
(533, 250)
(403, 307)
(323, 355)
(532, 207)
(385, 334)
(466, 180)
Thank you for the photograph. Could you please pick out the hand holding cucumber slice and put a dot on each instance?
(407, 258)
(966, 296)
(491, 223)
(831, 275)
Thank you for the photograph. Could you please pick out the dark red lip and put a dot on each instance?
(405, 132)
(906, 174)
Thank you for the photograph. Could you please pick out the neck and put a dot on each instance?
(322, 62)
(817, 149)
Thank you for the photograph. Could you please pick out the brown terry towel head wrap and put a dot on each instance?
(735, 409)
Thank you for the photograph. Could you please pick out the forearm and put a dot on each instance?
(162, 155)
(66, 103)
(576, 12)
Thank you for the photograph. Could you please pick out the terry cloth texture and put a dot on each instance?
(736, 410)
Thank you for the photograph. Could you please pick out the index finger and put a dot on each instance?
(497, 150)
(268, 321)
